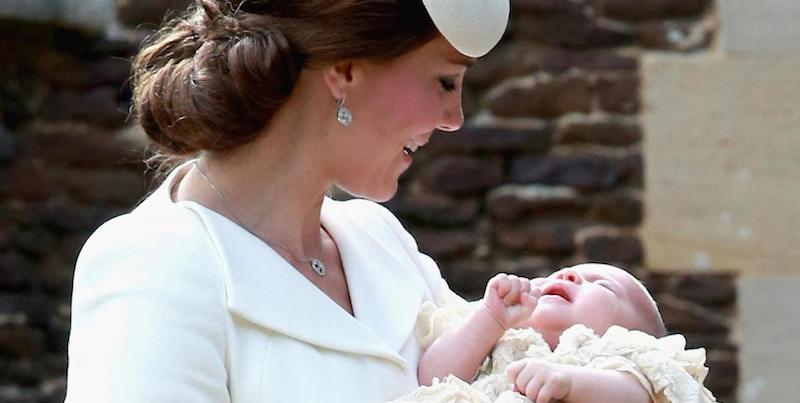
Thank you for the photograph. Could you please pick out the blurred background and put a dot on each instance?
(659, 135)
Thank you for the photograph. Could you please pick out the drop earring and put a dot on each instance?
(343, 114)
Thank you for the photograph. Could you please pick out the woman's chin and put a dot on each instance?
(376, 195)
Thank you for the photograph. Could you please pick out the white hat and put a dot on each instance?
(473, 27)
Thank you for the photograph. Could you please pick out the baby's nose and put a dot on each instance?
(569, 275)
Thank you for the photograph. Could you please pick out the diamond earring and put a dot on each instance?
(343, 115)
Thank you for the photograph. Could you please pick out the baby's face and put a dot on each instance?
(594, 295)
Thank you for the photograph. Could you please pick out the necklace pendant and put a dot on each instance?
(318, 267)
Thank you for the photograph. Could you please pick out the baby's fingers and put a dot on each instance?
(501, 285)
(513, 294)
(529, 302)
(514, 369)
(544, 395)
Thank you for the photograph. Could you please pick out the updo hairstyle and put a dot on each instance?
(211, 78)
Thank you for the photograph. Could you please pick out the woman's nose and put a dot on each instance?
(452, 119)
(569, 275)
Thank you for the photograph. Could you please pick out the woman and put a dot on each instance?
(238, 280)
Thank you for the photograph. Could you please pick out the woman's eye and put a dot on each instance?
(447, 84)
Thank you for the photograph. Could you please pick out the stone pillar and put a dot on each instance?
(722, 153)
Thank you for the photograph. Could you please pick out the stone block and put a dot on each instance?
(624, 207)
(561, 60)
(83, 147)
(707, 289)
(606, 245)
(461, 175)
(15, 394)
(33, 309)
(518, 58)
(87, 15)
(718, 342)
(542, 96)
(61, 70)
(548, 6)
(446, 243)
(31, 180)
(723, 372)
(508, 59)
(21, 341)
(434, 209)
(134, 13)
(34, 240)
(15, 272)
(8, 143)
(541, 237)
(54, 390)
(467, 277)
(120, 187)
(55, 275)
(682, 36)
(64, 214)
(600, 130)
(682, 316)
(632, 169)
(585, 171)
(619, 93)
(569, 31)
(98, 105)
(638, 10)
(112, 71)
(511, 202)
(477, 139)
(526, 266)
(27, 372)
(5, 232)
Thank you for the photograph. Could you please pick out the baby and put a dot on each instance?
(541, 340)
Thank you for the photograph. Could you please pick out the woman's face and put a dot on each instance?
(396, 106)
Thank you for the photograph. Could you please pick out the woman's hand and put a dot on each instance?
(510, 299)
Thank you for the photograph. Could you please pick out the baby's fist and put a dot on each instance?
(540, 381)
(509, 299)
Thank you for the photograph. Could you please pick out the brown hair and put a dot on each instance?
(211, 78)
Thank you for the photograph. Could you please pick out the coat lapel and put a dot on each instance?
(266, 290)
(386, 289)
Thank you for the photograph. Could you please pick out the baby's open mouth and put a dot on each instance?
(556, 290)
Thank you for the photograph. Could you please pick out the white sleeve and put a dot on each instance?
(148, 318)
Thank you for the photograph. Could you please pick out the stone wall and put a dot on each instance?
(548, 172)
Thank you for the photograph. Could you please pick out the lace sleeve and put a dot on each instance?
(665, 368)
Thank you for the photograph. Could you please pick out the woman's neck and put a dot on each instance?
(272, 187)
(275, 185)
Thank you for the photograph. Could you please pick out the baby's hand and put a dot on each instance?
(509, 299)
(541, 381)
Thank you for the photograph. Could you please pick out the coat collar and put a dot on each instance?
(386, 290)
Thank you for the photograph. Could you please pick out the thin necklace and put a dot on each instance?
(315, 263)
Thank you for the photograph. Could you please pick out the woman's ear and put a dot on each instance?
(339, 77)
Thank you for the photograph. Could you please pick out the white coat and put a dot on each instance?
(173, 303)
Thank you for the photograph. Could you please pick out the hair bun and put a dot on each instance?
(216, 95)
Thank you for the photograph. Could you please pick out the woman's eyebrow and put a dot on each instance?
(463, 61)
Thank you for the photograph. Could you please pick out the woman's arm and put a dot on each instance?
(148, 318)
